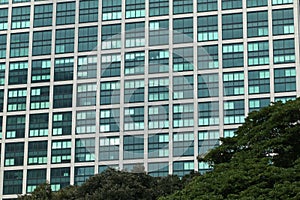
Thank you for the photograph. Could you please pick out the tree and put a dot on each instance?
(261, 162)
(42, 192)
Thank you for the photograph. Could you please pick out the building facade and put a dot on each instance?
(89, 84)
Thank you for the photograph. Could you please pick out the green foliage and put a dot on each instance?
(42, 192)
(261, 162)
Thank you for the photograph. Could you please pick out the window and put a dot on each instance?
(232, 26)
(160, 169)
(259, 82)
(86, 122)
(181, 168)
(20, 17)
(207, 28)
(182, 6)
(35, 177)
(111, 36)
(17, 99)
(158, 117)
(43, 15)
(233, 55)
(13, 182)
(279, 2)
(183, 87)
(3, 43)
(88, 11)
(63, 69)
(85, 150)
(15, 126)
(233, 83)
(183, 144)
(86, 94)
(65, 13)
(3, 1)
(60, 178)
(204, 167)
(19, 43)
(258, 53)
(82, 174)
(256, 3)
(158, 145)
(2, 73)
(208, 85)
(39, 99)
(20, 1)
(18, 73)
(135, 34)
(102, 168)
(14, 154)
(109, 93)
(1, 101)
(135, 8)
(134, 63)
(183, 115)
(257, 24)
(284, 51)
(109, 148)
(283, 21)
(158, 32)
(109, 120)
(208, 113)
(38, 125)
(110, 65)
(61, 151)
(234, 112)
(207, 141)
(62, 97)
(134, 91)
(158, 7)
(207, 5)
(3, 18)
(133, 147)
(183, 59)
(208, 57)
(285, 80)
(62, 123)
(87, 67)
(182, 30)
(111, 9)
(231, 4)
(285, 99)
(158, 89)
(64, 41)
(158, 61)
(37, 153)
(256, 104)
(87, 38)
(229, 133)
(40, 71)
(41, 43)
(134, 118)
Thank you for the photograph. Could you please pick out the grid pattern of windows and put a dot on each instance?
(38, 125)
(86, 122)
(158, 61)
(60, 177)
(233, 55)
(231, 4)
(183, 115)
(63, 69)
(181, 168)
(135, 34)
(158, 7)
(283, 21)
(110, 120)
(40, 71)
(19, 43)
(183, 59)
(259, 82)
(232, 26)
(258, 53)
(18, 73)
(207, 28)
(20, 17)
(3, 41)
(158, 89)
(87, 67)
(133, 147)
(208, 85)
(158, 145)
(64, 41)
(110, 93)
(183, 30)
(65, 13)
(134, 91)
(135, 8)
(134, 63)
(43, 15)
(14, 154)
(41, 43)
(62, 96)
(158, 169)
(3, 18)
(62, 123)
(35, 177)
(82, 174)
(183, 87)
(233, 83)
(85, 150)
(158, 117)
(86, 94)
(88, 11)
(111, 9)
(12, 182)
(207, 5)
(109, 148)
(61, 151)
(284, 51)
(39, 98)
(110, 65)
(256, 104)
(110, 36)
(15, 127)
(87, 38)
(208, 113)
(182, 6)
(234, 112)
(257, 23)
(207, 140)
(37, 153)
(285, 80)
(256, 3)
(208, 57)
(159, 32)
(17, 99)
(2, 73)
(134, 118)
(183, 144)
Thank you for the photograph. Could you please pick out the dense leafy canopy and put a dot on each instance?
(261, 162)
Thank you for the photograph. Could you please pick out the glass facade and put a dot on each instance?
(89, 84)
